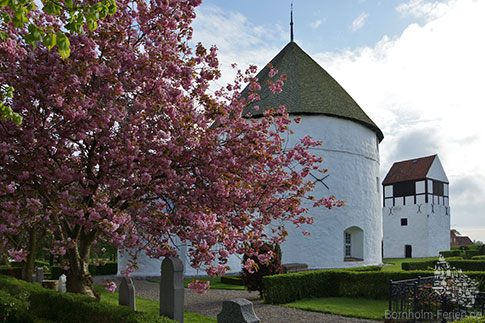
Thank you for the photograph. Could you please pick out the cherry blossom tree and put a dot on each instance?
(123, 142)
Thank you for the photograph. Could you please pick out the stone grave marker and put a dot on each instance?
(126, 293)
(238, 310)
(39, 274)
(61, 286)
(172, 289)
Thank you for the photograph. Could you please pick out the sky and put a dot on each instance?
(416, 67)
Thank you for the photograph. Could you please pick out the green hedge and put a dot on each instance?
(232, 280)
(478, 257)
(280, 289)
(365, 268)
(110, 268)
(450, 253)
(465, 265)
(26, 303)
(11, 271)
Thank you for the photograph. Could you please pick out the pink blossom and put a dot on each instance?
(110, 286)
(18, 255)
(199, 286)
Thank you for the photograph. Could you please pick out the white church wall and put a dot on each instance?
(397, 236)
(436, 171)
(150, 267)
(351, 157)
(438, 229)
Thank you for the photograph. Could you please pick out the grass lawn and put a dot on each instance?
(215, 283)
(353, 307)
(396, 262)
(149, 306)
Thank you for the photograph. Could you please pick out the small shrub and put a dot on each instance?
(254, 281)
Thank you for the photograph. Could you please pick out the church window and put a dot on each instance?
(404, 189)
(353, 244)
(348, 244)
(404, 222)
(438, 188)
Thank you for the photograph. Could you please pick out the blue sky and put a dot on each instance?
(416, 68)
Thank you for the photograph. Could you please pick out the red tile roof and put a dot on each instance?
(409, 170)
(463, 241)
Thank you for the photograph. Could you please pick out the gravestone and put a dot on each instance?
(126, 293)
(238, 310)
(61, 286)
(39, 274)
(172, 289)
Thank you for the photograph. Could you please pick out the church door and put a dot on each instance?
(408, 251)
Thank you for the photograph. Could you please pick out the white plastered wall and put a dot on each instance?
(351, 156)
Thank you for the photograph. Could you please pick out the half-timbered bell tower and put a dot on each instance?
(416, 211)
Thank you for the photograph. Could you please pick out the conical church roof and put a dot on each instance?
(308, 90)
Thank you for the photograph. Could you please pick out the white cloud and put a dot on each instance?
(316, 23)
(424, 9)
(359, 22)
(238, 39)
(425, 90)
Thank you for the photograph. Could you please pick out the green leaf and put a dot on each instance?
(3, 3)
(19, 18)
(50, 40)
(6, 17)
(112, 8)
(63, 45)
(92, 24)
(10, 91)
(17, 118)
(68, 4)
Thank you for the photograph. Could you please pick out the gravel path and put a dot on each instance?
(210, 304)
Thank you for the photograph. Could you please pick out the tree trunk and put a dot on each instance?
(79, 279)
(4, 260)
(29, 261)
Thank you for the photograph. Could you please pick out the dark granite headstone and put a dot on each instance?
(172, 289)
(126, 293)
(238, 310)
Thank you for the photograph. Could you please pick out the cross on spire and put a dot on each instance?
(291, 23)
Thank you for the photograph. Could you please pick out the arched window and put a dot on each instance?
(353, 244)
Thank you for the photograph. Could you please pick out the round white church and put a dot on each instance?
(348, 236)
(351, 235)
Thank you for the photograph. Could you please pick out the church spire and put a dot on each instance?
(291, 23)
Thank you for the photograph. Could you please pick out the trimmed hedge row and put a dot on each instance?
(280, 289)
(26, 303)
(450, 253)
(365, 268)
(478, 257)
(467, 253)
(232, 280)
(110, 268)
(465, 265)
